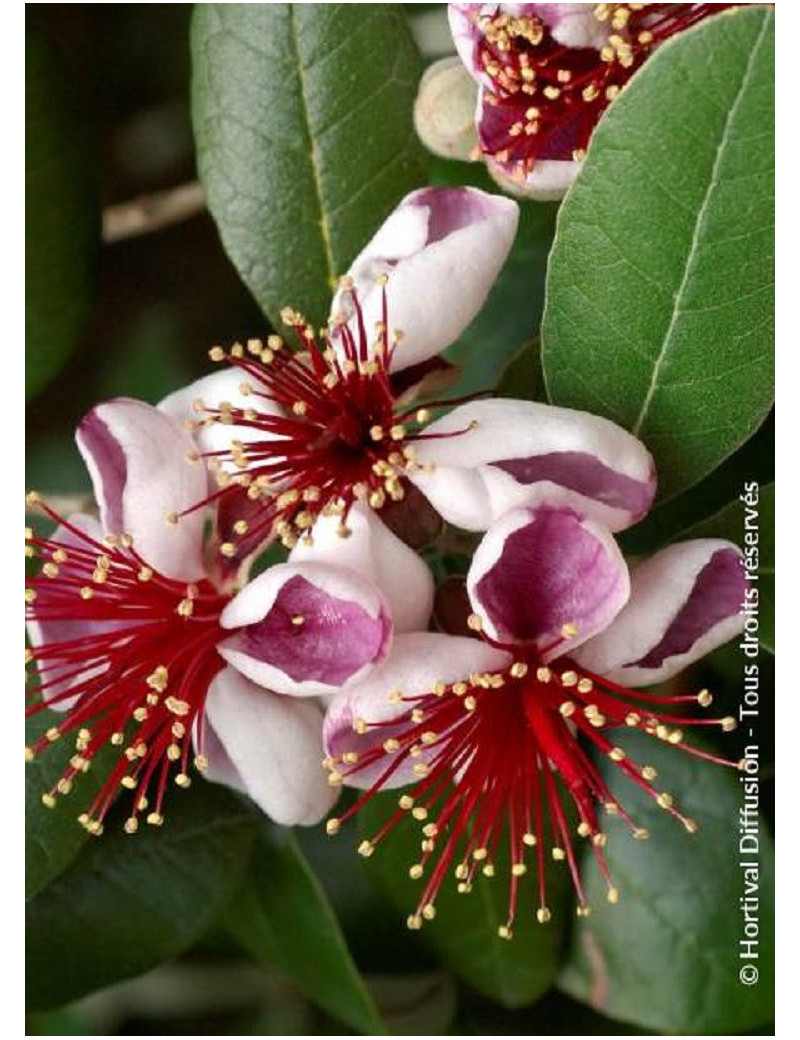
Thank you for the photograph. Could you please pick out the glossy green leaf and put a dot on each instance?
(61, 214)
(464, 932)
(660, 288)
(53, 837)
(130, 902)
(305, 142)
(282, 918)
(667, 956)
(750, 523)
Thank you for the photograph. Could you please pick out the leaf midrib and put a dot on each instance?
(700, 223)
(313, 150)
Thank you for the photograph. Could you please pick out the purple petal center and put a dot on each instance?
(552, 572)
(716, 595)
(584, 474)
(313, 636)
(109, 458)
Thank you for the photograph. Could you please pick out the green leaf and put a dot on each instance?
(660, 303)
(512, 310)
(53, 837)
(282, 918)
(305, 142)
(61, 214)
(464, 933)
(758, 512)
(130, 902)
(667, 957)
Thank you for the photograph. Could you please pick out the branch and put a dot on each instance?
(148, 213)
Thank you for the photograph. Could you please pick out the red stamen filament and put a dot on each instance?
(486, 752)
(337, 437)
(548, 97)
(136, 675)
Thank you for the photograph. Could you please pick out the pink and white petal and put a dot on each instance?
(209, 392)
(53, 631)
(417, 661)
(137, 459)
(268, 746)
(378, 555)
(494, 455)
(307, 629)
(442, 249)
(467, 35)
(572, 25)
(548, 181)
(538, 570)
(685, 601)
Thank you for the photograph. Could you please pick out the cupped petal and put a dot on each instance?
(269, 747)
(547, 181)
(442, 249)
(685, 601)
(210, 392)
(416, 663)
(53, 631)
(307, 629)
(547, 576)
(494, 455)
(378, 556)
(137, 458)
(572, 25)
(467, 36)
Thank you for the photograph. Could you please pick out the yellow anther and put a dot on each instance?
(704, 698)
(612, 895)
(155, 819)
(416, 871)
(332, 825)
(518, 869)
(728, 723)
(665, 800)
(558, 853)
(544, 675)
(543, 915)
(616, 754)
(366, 848)
(131, 825)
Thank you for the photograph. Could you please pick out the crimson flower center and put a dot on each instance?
(326, 429)
(127, 655)
(489, 759)
(546, 98)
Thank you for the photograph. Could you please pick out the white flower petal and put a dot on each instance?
(685, 601)
(137, 459)
(267, 746)
(442, 249)
(517, 447)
